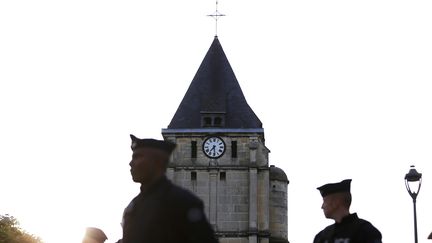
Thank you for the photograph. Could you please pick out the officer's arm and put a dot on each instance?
(321, 236)
(372, 234)
(198, 228)
(316, 239)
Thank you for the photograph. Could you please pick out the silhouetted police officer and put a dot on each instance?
(348, 228)
(162, 212)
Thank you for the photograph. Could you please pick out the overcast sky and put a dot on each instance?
(343, 89)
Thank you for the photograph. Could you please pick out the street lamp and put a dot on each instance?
(413, 178)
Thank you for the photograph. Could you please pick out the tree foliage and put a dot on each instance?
(10, 231)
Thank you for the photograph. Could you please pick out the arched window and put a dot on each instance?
(217, 122)
(207, 121)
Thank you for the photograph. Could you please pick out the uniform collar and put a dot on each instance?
(349, 218)
(154, 186)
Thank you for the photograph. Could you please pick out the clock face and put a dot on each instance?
(214, 147)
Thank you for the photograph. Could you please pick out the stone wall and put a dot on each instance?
(235, 191)
(263, 200)
(278, 209)
(233, 201)
(234, 240)
(231, 210)
(199, 187)
(245, 143)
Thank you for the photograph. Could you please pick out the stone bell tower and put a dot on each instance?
(221, 156)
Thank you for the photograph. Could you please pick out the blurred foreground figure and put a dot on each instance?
(162, 212)
(348, 228)
(94, 235)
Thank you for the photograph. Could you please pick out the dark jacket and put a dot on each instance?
(351, 229)
(166, 213)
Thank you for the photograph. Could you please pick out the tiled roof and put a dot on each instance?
(215, 89)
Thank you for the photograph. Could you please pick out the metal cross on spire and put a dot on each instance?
(216, 15)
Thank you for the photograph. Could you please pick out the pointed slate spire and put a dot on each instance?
(215, 94)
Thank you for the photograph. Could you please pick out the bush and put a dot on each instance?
(10, 231)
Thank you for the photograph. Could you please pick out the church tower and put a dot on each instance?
(221, 156)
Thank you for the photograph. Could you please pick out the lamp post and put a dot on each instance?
(413, 177)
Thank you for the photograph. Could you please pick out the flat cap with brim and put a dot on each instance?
(96, 234)
(343, 186)
(165, 146)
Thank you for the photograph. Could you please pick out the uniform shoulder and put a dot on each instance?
(323, 233)
(369, 229)
(328, 228)
(183, 196)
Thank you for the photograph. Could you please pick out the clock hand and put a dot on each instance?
(213, 149)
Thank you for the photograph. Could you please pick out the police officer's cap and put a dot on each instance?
(96, 234)
(165, 146)
(327, 189)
